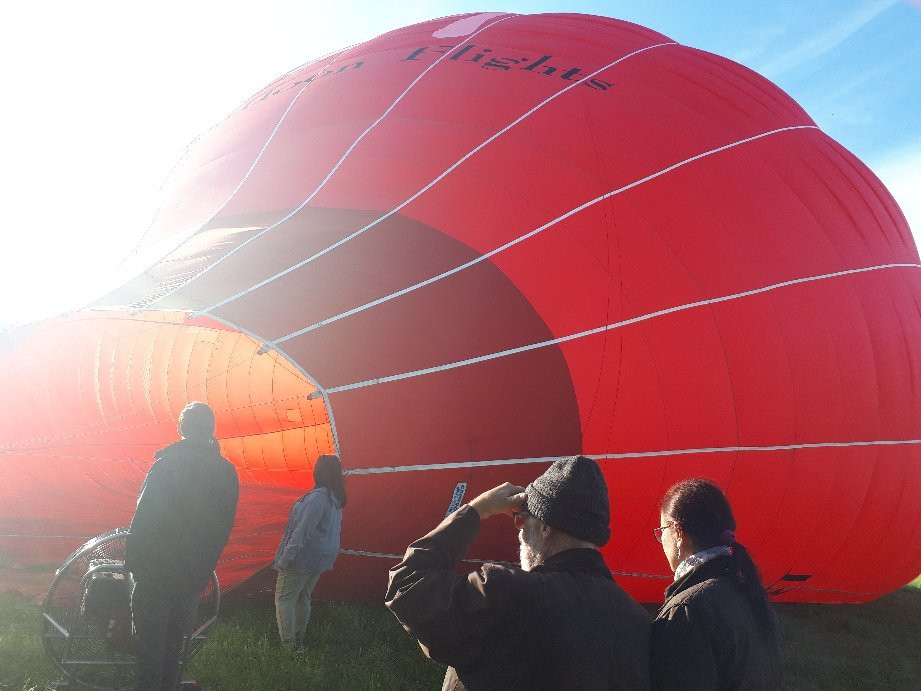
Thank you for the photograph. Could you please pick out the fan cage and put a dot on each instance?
(86, 616)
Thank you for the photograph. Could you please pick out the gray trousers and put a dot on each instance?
(161, 622)
(292, 605)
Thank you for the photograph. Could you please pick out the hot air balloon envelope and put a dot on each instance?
(461, 250)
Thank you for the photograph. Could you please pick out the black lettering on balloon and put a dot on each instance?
(462, 51)
(419, 51)
(569, 74)
(261, 96)
(501, 63)
(598, 84)
(540, 61)
(482, 56)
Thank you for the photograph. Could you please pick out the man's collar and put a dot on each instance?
(576, 559)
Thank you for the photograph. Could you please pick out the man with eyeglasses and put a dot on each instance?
(558, 622)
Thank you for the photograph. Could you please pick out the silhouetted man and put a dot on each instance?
(184, 515)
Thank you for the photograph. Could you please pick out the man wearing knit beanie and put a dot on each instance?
(558, 622)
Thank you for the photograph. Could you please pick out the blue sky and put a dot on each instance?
(101, 98)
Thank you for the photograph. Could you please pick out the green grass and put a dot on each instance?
(871, 646)
(347, 647)
(23, 664)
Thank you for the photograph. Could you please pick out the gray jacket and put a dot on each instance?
(311, 540)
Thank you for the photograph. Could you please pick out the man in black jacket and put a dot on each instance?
(184, 515)
(559, 622)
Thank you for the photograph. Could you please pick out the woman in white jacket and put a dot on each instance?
(308, 548)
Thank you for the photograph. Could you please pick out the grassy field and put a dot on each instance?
(872, 646)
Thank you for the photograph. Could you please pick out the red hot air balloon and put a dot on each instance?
(471, 246)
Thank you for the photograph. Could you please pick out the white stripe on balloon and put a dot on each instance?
(191, 232)
(326, 179)
(632, 454)
(609, 327)
(519, 239)
(415, 196)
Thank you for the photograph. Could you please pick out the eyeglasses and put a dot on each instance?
(657, 532)
(520, 516)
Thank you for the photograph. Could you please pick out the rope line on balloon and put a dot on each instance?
(399, 557)
(631, 574)
(273, 345)
(327, 391)
(195, 229)
(633, 454)
(31, 444)
(609, 327)
(521, 238)
(453, 465)
(833, 591)
(329, 175)
(606, 457)
(106, 424)
(839, 471)
(189, 147)
(348, 552)
(319, 391)
(40, 447)
(45, 537)
(198, 138)
(424, 188)
(180, 283)
(184, 395)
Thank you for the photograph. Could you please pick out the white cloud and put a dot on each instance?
(901, 173)
(826, 40)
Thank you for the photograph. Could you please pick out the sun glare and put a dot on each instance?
(110, 95)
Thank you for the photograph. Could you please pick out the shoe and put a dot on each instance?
(290, 646)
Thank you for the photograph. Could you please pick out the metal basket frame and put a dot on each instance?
(87, 655)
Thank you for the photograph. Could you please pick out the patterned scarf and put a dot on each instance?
(702, 557)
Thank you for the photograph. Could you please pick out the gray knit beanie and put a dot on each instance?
(572, 496)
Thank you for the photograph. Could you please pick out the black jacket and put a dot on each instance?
(706, 636)
(184, 515)
(564, 625)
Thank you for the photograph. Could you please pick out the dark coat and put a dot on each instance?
(706, 636)
(564, 625)
(184, 515)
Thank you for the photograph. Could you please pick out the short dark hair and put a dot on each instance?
(196, 421)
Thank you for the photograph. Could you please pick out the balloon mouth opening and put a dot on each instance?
(278, 423)
(139, 370)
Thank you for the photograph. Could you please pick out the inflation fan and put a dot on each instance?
(86, 616)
